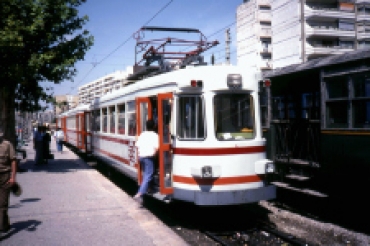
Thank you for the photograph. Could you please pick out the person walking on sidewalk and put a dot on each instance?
(8, 170)
(59, 138)
(147, 146)
(38, 145)
(47, 140)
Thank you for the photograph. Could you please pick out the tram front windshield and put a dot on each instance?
(234, 117)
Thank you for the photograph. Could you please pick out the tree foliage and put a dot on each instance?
(40, 41)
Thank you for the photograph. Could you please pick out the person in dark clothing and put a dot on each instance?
(38, 145)
(46, 144)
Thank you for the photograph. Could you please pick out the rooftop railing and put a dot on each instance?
(329, 8)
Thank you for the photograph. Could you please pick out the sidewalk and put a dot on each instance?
(66, 202)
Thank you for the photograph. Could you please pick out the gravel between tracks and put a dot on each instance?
(315, 232)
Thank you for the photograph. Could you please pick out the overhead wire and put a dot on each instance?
(122, 44)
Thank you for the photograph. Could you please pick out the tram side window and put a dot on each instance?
(105, 119)
(191, 122)
(263, 100)
(112, 119)
(96, 120)
(71, 122)
(361, 104)
(348, 101)
(337, 102)
(87, 121)
(131, 118)
(121, 119)
(234, 117)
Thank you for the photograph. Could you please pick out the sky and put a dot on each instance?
(112, 23)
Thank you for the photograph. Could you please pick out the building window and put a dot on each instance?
(349, 44)
(364, 44)
(346, 26)
(363, 10)
(264, 7)
(347, 103)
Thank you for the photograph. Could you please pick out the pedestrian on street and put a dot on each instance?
(147, 146)
(8, 170)
(38, 145)
(46, 140)
(59, 138)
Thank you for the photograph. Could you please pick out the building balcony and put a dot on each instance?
(264, 3)
(318, 11)
(265, 64)
(328, 31)
(264, 32)
(363, 16)
(264, 16)
(363, 35)
(362, 1)
(320, 50)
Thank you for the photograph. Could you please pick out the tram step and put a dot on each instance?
(306, 191)
(161, 197)
(298, 162)
(297, 177)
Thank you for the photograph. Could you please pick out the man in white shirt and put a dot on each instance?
(147, 145)
(59, 138)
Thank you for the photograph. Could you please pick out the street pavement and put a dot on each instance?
(66, 202)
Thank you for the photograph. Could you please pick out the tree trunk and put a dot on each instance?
(7, 112)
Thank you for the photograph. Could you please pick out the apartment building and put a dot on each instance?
(254, 35)
(103, 85)
(303, 30)
(64, 103)
(363, 23)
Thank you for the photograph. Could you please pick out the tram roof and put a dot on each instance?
(181, 78)
(319, 63)
(79, 108)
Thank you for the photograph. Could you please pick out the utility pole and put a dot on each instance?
(228, 41)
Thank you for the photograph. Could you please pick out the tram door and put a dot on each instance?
(165, 150)
(144, 113)
(86, 131)
(79, 127)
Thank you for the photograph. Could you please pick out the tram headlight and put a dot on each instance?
(206, 171)
(234, 81)
(270, 167)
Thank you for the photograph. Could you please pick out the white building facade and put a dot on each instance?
(254, 35)
(303, 30)
(103, 85)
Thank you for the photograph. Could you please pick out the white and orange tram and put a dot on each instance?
(208, 120)
(76, 124)
(211, 147)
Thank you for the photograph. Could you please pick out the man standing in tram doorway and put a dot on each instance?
(8, 170)
(147, 146)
